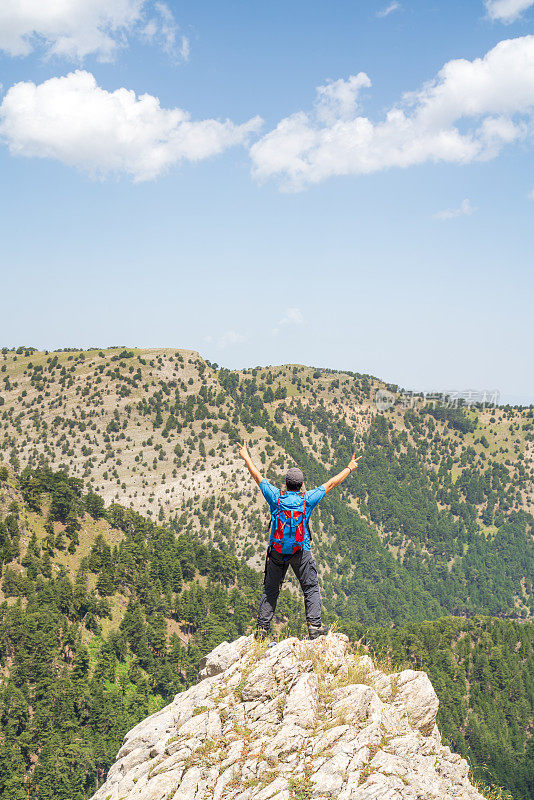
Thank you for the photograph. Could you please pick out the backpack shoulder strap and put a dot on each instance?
(282, 493)
(307, 524)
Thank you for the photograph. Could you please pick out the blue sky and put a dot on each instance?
(327, 233)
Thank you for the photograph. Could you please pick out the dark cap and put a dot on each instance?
(295, 475)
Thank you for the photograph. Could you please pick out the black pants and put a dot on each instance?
(303, 566)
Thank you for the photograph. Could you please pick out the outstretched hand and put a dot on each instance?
(353, 463)
(243, 452)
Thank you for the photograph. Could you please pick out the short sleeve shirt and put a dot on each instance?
(312, 497)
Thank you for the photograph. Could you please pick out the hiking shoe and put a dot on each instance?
(317, 630)
(261, 633)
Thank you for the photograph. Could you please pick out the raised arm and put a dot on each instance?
(243, 452)
(340, 477)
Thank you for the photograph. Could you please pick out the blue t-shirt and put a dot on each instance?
(312, 497)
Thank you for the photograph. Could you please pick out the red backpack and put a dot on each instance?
(287, 538)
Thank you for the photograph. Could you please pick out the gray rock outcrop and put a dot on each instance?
(293, 720)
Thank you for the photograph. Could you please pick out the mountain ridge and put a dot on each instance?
(157, 430)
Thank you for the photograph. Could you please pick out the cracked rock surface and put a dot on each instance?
(296, 719)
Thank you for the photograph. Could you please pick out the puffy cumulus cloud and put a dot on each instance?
(73, 120)
(465, 209)
(468, 112)
(74, 29)
(507, 10)
(339, 99)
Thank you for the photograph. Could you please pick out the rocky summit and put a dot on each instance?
(295, 720)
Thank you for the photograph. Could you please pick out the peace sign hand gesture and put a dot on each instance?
(353, 463)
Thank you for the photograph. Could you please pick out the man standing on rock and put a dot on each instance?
(290, 542)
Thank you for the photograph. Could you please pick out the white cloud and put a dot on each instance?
(467, 113)
(230, 338)
(385, 12)
(293, 317)
(74, 29)
(507, 10)
(531, 194)
(162, 29)
(339, 99)
(185, 48)
(465, 209)
(73, 120)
